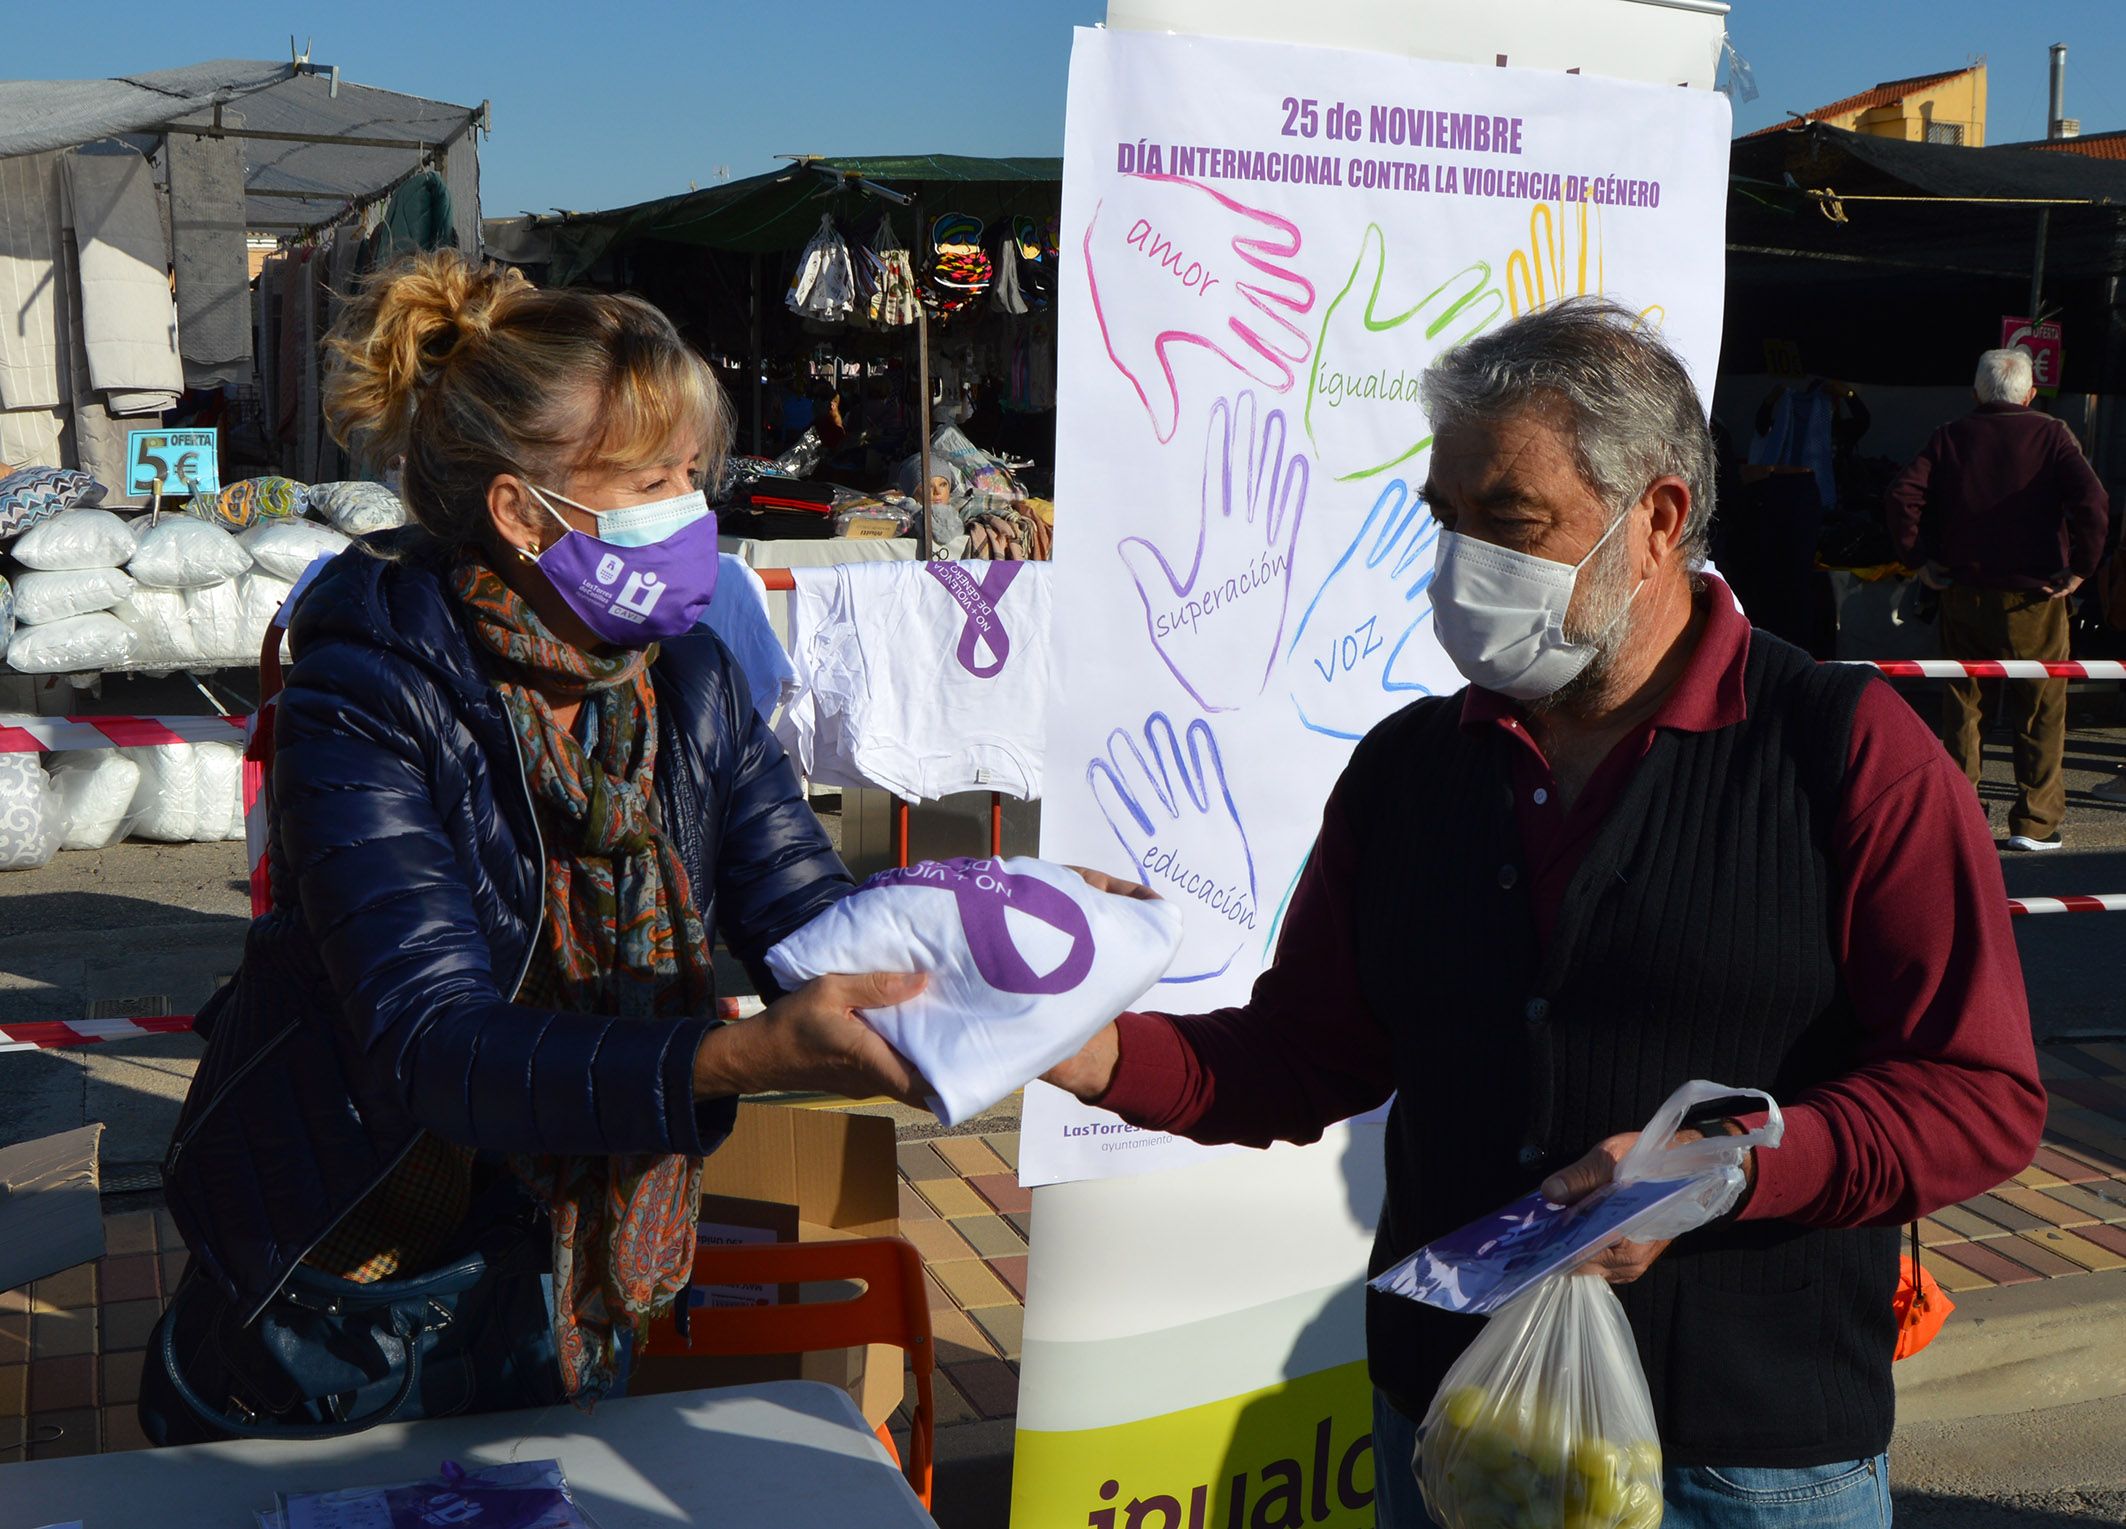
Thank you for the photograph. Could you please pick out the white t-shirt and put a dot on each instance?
(1026, 963)
(922, 679)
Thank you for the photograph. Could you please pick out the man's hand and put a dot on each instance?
(2063, 584)
(1088, 1075)
(1100, 881)
(1934, 576)
(813, 1041)
(1625, 1261)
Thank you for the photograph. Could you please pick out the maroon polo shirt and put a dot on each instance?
(1943, 1102)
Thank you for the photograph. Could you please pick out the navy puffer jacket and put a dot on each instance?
(374, 1002)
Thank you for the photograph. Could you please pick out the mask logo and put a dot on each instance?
(641, 595)
(609, 568)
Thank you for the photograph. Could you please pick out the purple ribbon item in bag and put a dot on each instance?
(979, 599)
(985, 893)
(634, 596)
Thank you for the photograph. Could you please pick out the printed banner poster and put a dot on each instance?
(1268, 244)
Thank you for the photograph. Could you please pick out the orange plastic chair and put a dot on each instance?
(893, 1308)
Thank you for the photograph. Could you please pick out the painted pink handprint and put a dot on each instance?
(1173, 263)
(1218, 625)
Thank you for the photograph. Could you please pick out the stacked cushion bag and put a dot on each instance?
(33, 494)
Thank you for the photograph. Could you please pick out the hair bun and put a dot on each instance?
(408, 322)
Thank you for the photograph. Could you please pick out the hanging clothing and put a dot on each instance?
(418, 217)
(34, 303)
(207, 224)
(128, 318)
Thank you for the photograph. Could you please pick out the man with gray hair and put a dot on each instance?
(1645, 845)
(2003, 515)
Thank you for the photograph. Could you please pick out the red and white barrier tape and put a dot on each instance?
(2080, 902)
(29, 735)
(45, 1034)
(1996, 668)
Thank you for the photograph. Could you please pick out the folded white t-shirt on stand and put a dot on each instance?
(935, 675)
(1026, 962)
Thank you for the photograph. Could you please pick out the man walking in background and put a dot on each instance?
(2002, 513)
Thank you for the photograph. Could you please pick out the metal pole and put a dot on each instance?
(2037, 270)
(760, 440)
(923, 548)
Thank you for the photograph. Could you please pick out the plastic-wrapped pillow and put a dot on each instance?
(29, 814)
(7, 613)
(221, 792)
(76, 539)
(260, 597)
(33, 494)
(165, 804)
(216, 617)
(161, 629)
(42, 597)
(357, 508)
(95, 788)
(286, 550)
(252, 502)
(183, 553)
(96, 641)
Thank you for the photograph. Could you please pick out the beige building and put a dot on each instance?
(1928, 108)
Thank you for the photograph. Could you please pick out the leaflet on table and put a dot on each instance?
(1269, 244)
(523, 1494)
(1480, 1267)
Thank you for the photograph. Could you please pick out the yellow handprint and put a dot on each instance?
(1564, 259)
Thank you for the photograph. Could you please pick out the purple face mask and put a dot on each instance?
(632, 596)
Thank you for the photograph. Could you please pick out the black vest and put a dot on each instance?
(1695, 942)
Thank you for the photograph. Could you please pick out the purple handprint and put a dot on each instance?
(1219, 625)
(1174, 816)
(1164, 259)
(986, 894)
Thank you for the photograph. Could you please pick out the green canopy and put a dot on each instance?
(780, 210)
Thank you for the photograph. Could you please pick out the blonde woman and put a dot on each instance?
(444, 1149)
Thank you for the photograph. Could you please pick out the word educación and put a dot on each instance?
(1286, 1496)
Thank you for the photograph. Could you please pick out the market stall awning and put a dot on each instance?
(1879, 260)
(313, 145)
(780, 210)
(1820, 191)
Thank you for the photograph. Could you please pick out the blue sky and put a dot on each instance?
(603, 102)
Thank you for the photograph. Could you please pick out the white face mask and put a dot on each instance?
(636, 525)
(1500, 615)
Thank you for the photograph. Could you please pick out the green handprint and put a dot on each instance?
(1362, 411)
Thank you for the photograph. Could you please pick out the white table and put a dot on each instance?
(820, 552)
(790, 1454)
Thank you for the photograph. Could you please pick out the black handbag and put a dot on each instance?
(329, 1357)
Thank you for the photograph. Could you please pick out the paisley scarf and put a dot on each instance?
(620, 937)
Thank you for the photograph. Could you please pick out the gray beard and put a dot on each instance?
(1608, 625)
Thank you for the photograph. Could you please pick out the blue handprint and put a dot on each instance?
(1174, 816)
(1362, 649)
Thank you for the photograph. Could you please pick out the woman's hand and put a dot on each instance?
(812, 1041)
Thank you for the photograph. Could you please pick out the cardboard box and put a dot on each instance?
(51, 1214)
(793, 1174)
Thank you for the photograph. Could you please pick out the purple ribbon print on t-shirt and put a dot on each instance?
(979, 599)
(985, 891)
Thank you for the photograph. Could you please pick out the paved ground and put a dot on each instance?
(145, 929)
